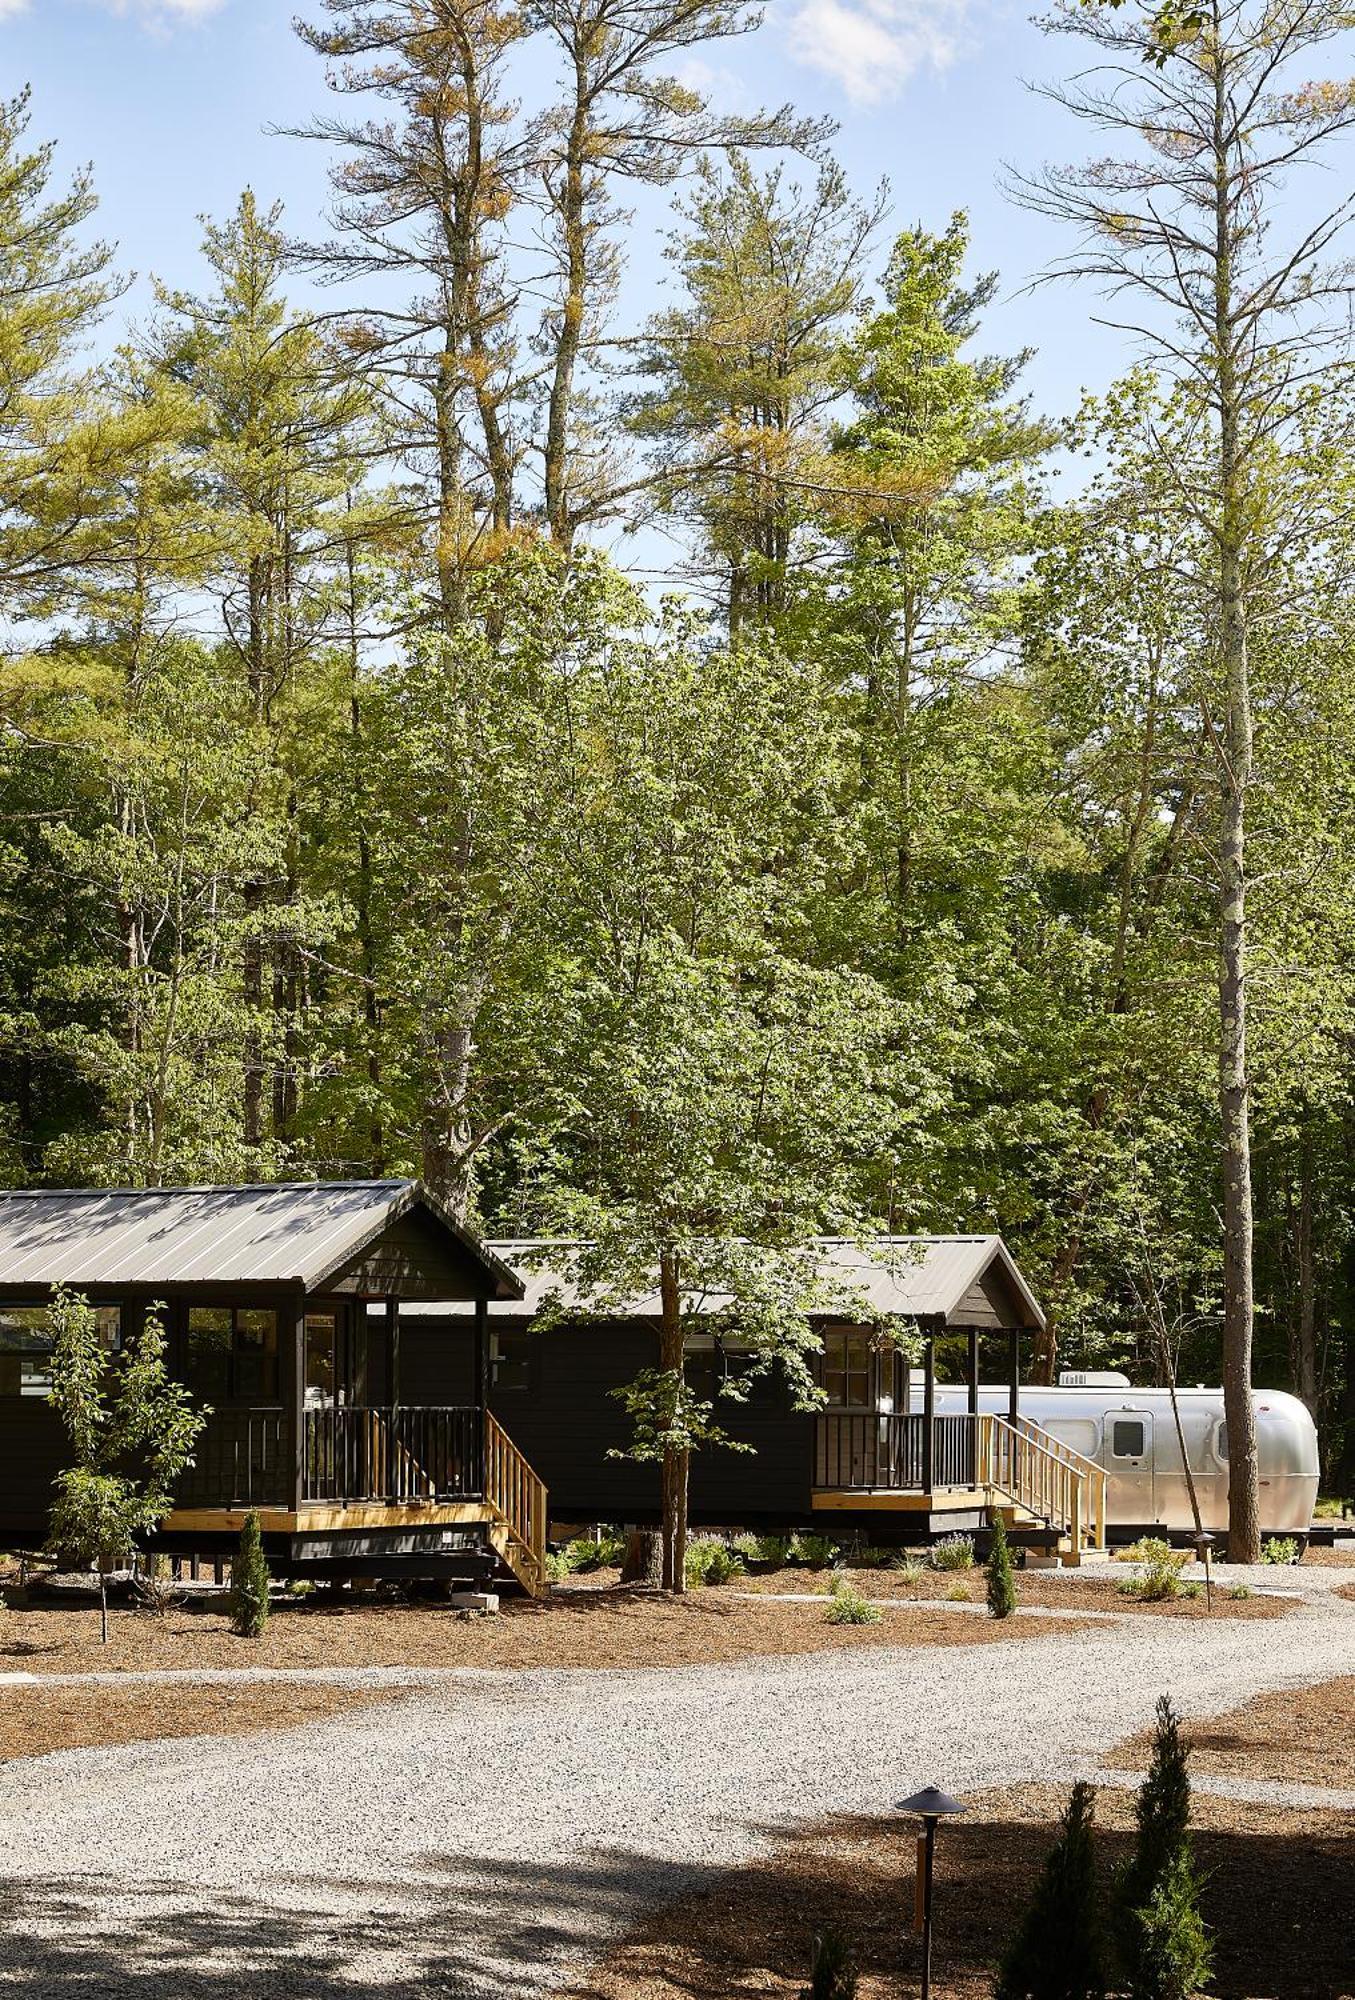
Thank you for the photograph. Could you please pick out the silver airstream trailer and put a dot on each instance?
(1132, 1433)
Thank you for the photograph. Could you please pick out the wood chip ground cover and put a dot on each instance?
(1280, 1895)
(37, 1720)
(575, 1628)
(1084, 1590)
(1303, 1736)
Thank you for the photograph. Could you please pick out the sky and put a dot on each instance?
(175, 105)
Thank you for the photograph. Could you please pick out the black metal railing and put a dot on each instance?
(860, 1452)
(243, 1458)
(409, 1453)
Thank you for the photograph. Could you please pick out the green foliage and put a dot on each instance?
(1159, 1572)
(710, 1559)
(131, 1430)
(250, 1581)
(1057, 1953)
(813, 1551)
(1171, 1951)
(557, 1565)
(832, 1966)
(770, 1552)
(1280, 1549)
(1163, 1940)
(1240, 1592)
(952, 1552)
(957, 1593)
(587, 1553)
(846, 1606)
(1001, 1581)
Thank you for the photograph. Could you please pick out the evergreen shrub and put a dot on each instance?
(250, 1579)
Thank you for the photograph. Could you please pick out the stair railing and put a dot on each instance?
(1045, 1476)
(518, 1496)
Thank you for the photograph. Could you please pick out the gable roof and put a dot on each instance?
(913, 1277)
(280, 1233)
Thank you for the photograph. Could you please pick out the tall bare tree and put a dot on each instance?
(1234, 296)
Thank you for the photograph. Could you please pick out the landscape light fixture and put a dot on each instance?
(1204, 1542)
(930, 1806)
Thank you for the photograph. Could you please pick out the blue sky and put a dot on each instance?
(171, 100)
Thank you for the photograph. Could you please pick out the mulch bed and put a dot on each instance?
(1091, 1589)
(1340, 1556)
(36, 1720)
(1302, 1736)
(574, 1628)
(1280, 1895)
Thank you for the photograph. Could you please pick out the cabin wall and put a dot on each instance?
(33, 1449)
(566, 1421)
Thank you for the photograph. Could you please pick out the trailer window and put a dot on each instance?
(1221, 1444)
(1126, 1437)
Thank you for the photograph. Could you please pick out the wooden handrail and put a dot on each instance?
(1046, 1476)
(518, 1497)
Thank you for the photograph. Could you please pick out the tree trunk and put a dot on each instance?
(1305, 1341)
(675, 1463)
(103, 1608)
(643, 1562)
(1235, 766)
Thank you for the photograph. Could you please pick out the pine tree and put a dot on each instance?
(1057, 1953)
(250, 1578)
(1001, 1582)
(1163, 1937)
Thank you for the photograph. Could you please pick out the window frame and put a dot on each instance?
(112, 1345)
(1119, 1423)
(264, 1397)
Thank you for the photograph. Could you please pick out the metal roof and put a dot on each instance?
(289, 1233)
(911, 1277)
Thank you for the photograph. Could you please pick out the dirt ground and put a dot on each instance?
(1301, 1735)
(1280, 1896)
(1340, 1556)
(574, 1628)
(36, 1720)
(1090, 1589)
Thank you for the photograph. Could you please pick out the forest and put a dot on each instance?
(960, 839)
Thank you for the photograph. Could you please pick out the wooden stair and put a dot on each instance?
(1034, 1480)
(516, 1499)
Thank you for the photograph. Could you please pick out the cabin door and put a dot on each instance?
(1130, 1496)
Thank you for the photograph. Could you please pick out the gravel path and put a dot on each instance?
(479, 1836)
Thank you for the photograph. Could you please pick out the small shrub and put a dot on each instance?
(587, 1553)
(1163, 1936)
(557, 1566)
(250, 1578)
(762, 1551)
(832, 1966)
(957, 1593)
(910, 1569)
(1241, 1591)
(1159, 1574)
(848, 1607)
(1280, 1549)
(711, 1560)
(813, 1551)
(869, 1557)
(953, 1552)
(1001, 1582)
(1057, 1954)
(155, 1588)
(1172, 1952)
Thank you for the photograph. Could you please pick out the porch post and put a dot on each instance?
(294, 1402)
(972, 1380)
(393, 1355)
(482, 1386)
(1014, 1372)
(482, 1353)
(928, 1413)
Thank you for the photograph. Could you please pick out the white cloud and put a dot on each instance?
(870, 48)
(158, 13)
(9, 7)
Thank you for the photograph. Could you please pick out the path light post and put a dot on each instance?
(1204, 1542)
(930, 1806)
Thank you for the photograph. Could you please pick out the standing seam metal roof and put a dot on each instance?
(284, 1232)
(922, 1277)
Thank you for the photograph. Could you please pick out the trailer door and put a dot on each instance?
(1129, 1461)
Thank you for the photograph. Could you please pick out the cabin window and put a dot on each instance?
(510, 1357)
(1221, 1444)
(26, 1347)
(233, 1352)
(847, 1370)
(1126, 1437)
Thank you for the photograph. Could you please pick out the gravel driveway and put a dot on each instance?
(479, 1836)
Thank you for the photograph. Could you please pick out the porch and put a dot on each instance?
(875, 1454)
